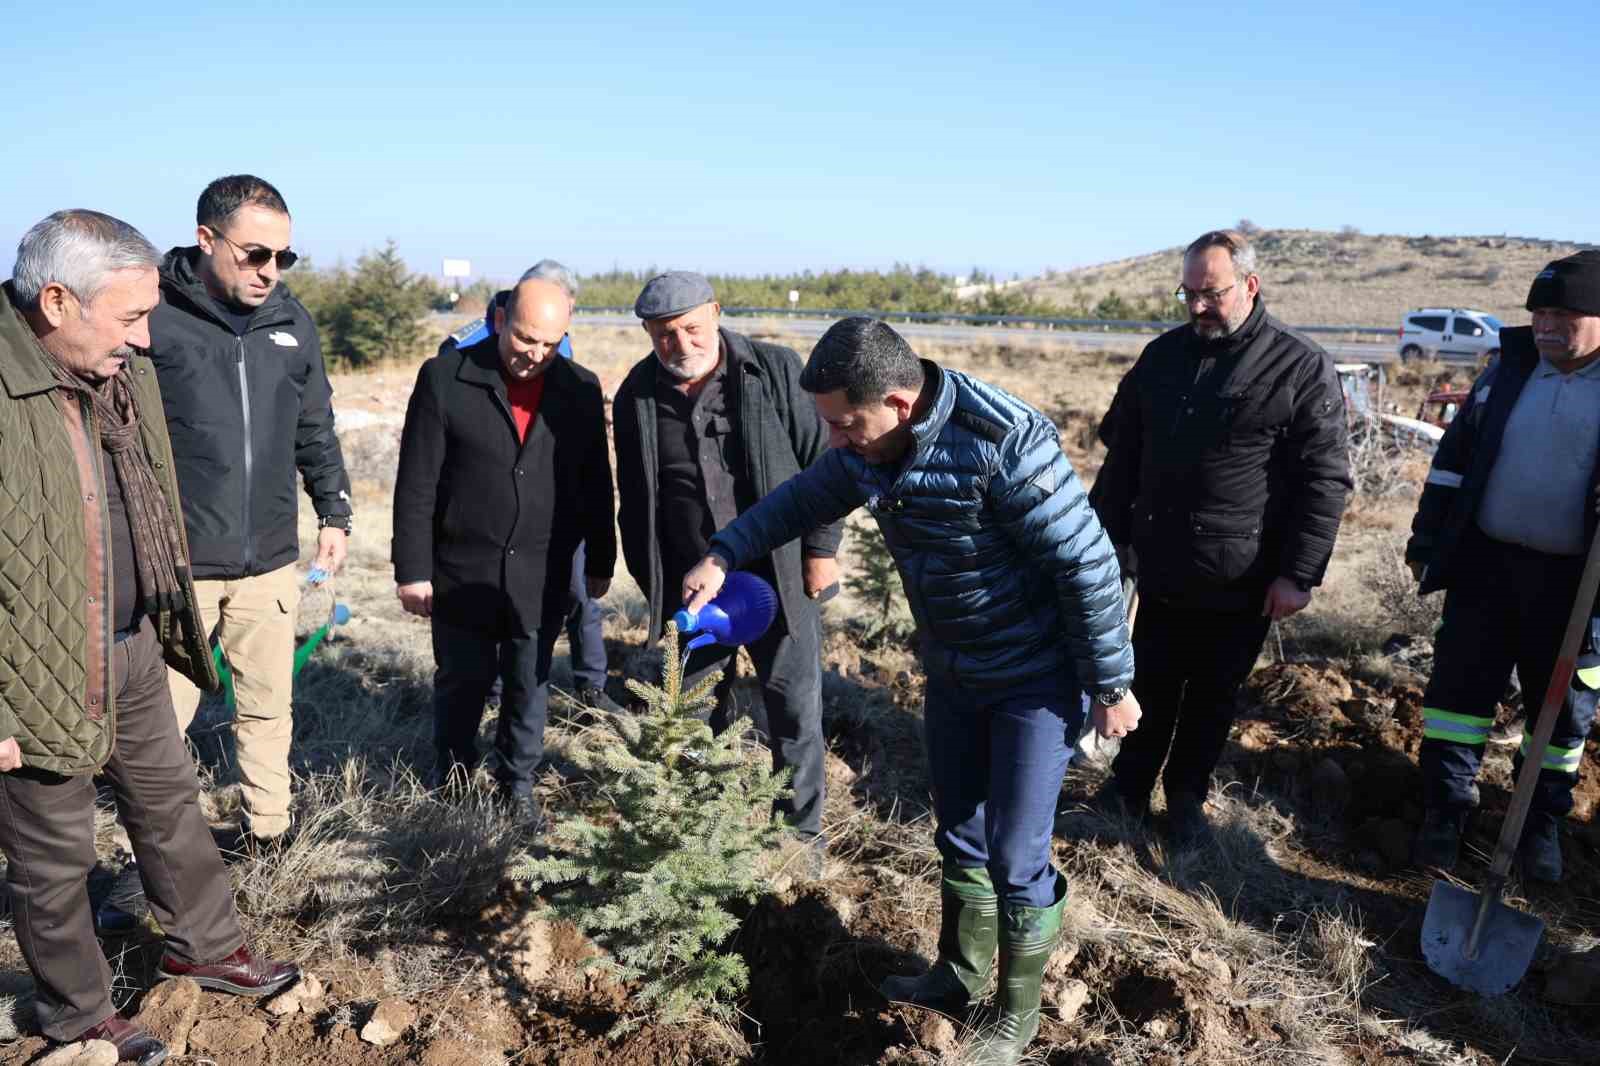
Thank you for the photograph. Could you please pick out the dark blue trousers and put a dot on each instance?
(1509, 609)
(995, 762)
(467, 663)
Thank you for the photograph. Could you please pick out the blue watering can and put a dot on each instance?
(740, 613)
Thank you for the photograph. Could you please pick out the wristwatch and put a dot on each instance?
(337, 521)
(1110, 697)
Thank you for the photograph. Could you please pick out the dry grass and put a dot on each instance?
(382, 878)
(1313, 277)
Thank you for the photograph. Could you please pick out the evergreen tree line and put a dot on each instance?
(374, 310)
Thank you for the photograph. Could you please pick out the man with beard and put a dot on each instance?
(97, 595)
(706, 425)
(1225, 479)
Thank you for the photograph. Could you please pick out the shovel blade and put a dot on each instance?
(1505, 947)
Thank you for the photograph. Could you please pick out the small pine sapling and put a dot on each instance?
(674, 836)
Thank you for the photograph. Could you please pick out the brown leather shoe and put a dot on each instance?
(133, 1042)
(241, 974)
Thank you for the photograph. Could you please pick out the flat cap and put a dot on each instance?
(672, 293)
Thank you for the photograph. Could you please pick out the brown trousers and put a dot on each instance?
(47, 834)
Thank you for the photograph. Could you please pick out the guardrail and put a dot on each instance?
(958, 318)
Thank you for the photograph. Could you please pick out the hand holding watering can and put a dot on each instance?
(727, 609)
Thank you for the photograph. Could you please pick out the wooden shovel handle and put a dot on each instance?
(1554, 695)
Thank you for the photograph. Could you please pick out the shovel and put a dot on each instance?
(1471, 939)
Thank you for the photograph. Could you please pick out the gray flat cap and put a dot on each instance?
(672, 293)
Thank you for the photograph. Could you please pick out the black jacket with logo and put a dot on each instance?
(1224, 484)
(245, 413)
(486, 516)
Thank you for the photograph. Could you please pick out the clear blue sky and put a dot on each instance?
(768, 137)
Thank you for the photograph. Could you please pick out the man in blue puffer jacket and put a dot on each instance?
(1017, 597)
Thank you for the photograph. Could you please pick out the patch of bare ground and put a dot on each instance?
(1294, 940)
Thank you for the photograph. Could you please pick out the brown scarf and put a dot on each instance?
(157, 548)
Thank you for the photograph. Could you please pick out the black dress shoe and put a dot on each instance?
(594, 697)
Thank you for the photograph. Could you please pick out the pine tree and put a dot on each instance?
(386, 305)
(674, 836)
(876, 579)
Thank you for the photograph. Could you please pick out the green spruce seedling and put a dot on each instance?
(876, 579)
(674, 837)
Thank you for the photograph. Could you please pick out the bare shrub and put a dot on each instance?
(375, 859)
(1390, 580)
(1389, 270)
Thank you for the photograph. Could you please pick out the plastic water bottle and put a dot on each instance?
(740, 613)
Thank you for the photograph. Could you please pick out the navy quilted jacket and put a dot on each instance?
(1009, 574)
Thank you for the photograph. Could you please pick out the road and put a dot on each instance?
(1344, 351)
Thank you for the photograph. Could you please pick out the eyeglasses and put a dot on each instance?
(260, 257)
(1210, 296)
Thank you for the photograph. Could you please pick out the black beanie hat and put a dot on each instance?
(1572, 284)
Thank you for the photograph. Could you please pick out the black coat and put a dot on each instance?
(781, 435)
(245, 413)
(1222, 490)
(486, 517)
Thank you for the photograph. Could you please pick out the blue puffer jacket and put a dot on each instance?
(1009, 574)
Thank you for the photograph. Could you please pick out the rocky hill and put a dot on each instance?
(1320, 277)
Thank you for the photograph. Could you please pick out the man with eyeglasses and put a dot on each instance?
(248, 405)
(1225, 479)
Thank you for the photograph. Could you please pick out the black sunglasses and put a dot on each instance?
(259, 257)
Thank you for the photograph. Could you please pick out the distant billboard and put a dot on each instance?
(457, 268)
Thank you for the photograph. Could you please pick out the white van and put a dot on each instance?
(1455, 334)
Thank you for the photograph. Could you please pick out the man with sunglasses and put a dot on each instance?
(1224, 482)
(248, 405)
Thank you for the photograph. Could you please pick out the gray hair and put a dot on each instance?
(1240, 251)
(79, 250)
(553, 272)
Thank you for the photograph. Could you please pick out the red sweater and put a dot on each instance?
(524, 396)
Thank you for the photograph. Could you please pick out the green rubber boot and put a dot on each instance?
(1027, 938)
(969, 927)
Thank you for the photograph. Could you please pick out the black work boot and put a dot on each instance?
(1539, 850)
(1439, 840)
(1027, 937)
(969, 928)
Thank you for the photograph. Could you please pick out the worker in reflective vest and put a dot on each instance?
(1505, 518)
